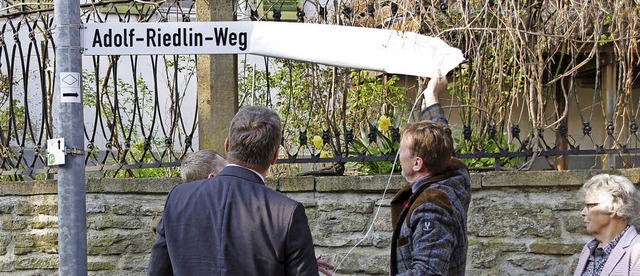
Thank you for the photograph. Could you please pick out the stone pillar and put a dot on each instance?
(217, 81)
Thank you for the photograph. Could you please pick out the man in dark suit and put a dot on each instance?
(233, 224)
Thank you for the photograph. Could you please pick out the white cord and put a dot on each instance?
(383, 195)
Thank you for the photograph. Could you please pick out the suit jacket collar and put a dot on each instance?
(614, 258)
(620, 250)
(582, 261)
(242, 172)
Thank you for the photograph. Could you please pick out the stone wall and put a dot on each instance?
(519, 222)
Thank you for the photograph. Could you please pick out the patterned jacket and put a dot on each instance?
(430, 220)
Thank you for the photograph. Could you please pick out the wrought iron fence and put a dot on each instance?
(526, 108)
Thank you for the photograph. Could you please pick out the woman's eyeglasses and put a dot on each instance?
(590, 205)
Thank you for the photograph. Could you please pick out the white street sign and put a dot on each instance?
(55, 151)
(166, 38)
(383, 50)
(70, 87)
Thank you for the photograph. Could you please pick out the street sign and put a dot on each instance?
(70, 87)
(55, 151)
(166, 38)
(383, 50)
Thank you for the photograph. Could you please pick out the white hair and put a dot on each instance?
(200, 164)
(617, 194)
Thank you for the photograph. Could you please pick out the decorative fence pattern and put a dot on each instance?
(540, 81)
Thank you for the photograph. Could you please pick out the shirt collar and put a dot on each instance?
(609, 247)
(415, 185)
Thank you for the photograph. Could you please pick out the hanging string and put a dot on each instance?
(384, 193)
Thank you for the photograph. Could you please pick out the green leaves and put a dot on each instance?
(383, 145)
(315, 99)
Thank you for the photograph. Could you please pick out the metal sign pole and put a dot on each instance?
(68, 125)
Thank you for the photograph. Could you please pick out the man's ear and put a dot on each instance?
(226, 145)
(211, 175)
(418, 163)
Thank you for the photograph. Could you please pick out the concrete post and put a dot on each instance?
(217, 81)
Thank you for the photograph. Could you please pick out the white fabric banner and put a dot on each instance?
(382, 50)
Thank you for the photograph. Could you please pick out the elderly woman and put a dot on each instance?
(611, 203)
